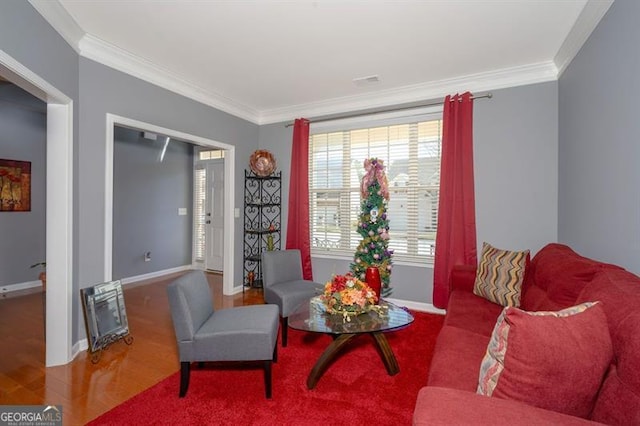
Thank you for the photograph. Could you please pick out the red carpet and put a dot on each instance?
(355, 390)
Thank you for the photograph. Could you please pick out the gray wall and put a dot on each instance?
(516, 167)
(516, 133)
(104, 90)
(29, 39)
(277, 139)
(97, 90)
(23, 123)
(516, 178)
(599, 152)
(147, 193)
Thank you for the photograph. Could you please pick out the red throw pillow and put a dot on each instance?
(552, 360)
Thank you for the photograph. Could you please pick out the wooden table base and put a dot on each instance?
(388, 358)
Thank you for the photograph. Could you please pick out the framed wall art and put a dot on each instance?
(15, 186)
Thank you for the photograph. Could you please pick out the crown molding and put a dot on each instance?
(58, 17)
(112, 56)
(107, 54)
(29, 81)
(93, 48)
(492, 80)
(587, 21)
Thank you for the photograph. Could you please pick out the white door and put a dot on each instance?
(214, 223)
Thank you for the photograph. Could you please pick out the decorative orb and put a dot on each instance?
(262, 162)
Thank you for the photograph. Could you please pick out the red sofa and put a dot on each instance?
(556, 278)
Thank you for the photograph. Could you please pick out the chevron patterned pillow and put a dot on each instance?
(500, 274)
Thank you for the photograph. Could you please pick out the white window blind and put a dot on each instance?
(199, 217)
(411, 153)
(211, 154)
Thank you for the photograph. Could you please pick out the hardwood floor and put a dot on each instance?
(86, 390)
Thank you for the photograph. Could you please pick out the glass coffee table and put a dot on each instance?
(311, 316)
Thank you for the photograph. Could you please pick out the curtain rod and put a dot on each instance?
(360, 114)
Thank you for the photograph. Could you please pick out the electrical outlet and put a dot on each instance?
(147, 256)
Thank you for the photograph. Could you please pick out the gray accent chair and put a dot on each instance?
(244, 333)
(283, 284)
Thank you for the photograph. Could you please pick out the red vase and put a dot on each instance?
(372, 278)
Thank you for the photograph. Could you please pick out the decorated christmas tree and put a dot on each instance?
(373, 225)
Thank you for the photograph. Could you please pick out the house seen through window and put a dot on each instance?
(411, 153)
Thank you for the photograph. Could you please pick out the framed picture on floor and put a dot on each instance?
(104, 316)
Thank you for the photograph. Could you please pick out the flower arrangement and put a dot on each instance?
(348, 296)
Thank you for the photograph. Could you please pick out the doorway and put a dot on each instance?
(208, 218)
(59, 202)
(228, 183)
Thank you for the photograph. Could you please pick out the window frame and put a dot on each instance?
(413, 257)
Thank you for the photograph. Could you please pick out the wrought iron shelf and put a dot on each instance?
(262, 204)
(273, 176)
(262, 231)
(262, 220)
(255, 284)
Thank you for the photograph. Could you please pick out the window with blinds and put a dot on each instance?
(199, 217)
(212, 154)
(411, 154)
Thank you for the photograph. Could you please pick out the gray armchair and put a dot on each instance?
(245, 333)
(283, 284)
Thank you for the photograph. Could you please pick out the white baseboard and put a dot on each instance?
(156, 274)
(20, 286)
(418, 306)
(83, 345)
(236, 290)
(78, 347)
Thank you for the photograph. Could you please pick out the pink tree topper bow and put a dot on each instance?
(374, 171)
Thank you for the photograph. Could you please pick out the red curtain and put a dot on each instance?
(456, 236)
(298, 236)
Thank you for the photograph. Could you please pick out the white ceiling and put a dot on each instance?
(269, 61)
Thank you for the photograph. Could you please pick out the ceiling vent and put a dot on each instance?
(366, 81)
